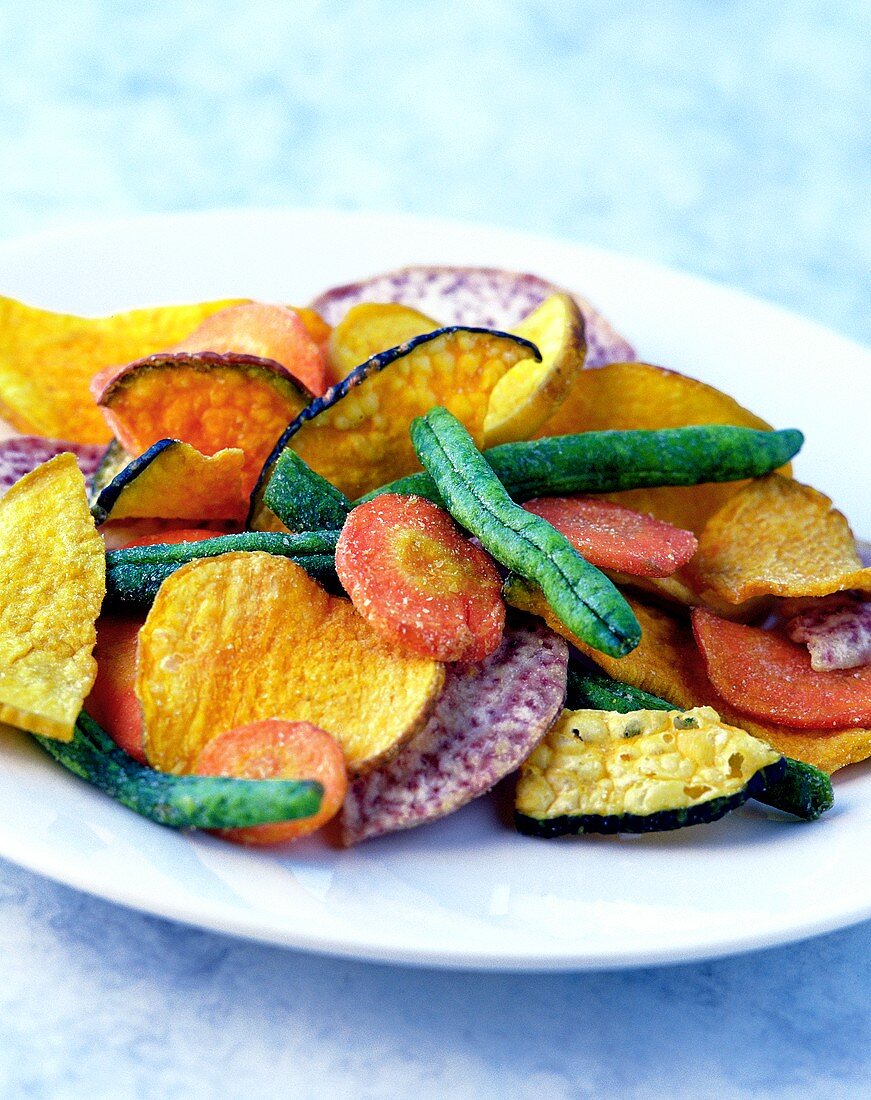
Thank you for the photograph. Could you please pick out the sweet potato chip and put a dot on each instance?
(357, 435)
(247, 636)
(639, 395)
(47, 361)
(172, 480)
(667, 663)
(210, 400)
(52, 583)
(778, 537)
(371, 327)
(533, 390)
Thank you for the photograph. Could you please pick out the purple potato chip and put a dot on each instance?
(23, 453)
(488, 719)
(485, 296)
(838, 635)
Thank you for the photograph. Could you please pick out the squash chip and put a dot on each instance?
(48, 359)
(356, 436)
(532, 391)
(248, 636)
(778, 537)
(371, 327)
(640, 395)
(667, 663)
(173, 480)
(52, 583)
(208, 399)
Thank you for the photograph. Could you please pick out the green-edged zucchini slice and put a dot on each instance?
(646, 771)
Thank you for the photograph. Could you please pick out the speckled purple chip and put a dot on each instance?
(488, 719)
(484, 296)
(23, 453)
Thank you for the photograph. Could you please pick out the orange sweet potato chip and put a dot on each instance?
(47, 361)
(640, 395)
(371, 327)
(247, 636)
(212, 401)
(778, 537)
(52, 583)
(361, 440)
(173, 480)
(667, 663)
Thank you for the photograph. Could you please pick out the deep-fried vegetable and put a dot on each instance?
(52, 583)
(419, 582)
(583, 598)
(533, 390)
(210, 400)
(112, 702)
(778, 537)
(47, 361)
(298, 499)
(173, 480)
(247, 636)
(613, 537)
(645, 771)
(272, 749)
(370, 328)
(356, 436)
(23, 453)
(767, 676)
(487, 719)
(181, 801)
(604, 462)
(836, 636)
(135, 574)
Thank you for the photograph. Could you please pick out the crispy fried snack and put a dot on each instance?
(371, 327)
(248, 636)
(51, 586)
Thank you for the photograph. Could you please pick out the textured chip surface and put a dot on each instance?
(52, 583)
(487, 720)
(247, 636)
(23, 453)
(836, 637)
(485, 296)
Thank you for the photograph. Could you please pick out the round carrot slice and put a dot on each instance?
(613, 537)
(418, 581)
(767, 676)
(277, 749)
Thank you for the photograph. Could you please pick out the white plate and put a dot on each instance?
(468, 892)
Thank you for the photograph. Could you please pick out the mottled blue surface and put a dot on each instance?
(725, 138)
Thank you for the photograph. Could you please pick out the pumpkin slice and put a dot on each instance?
(769, 677)
(533, 390)
(371, 327)
(639, 395)
(778, 537)
(51, 587)
(356, 436)
(212, 401)
(248, 636)
(172, 480)
(272, 332)
(48, 359)
(667, 663)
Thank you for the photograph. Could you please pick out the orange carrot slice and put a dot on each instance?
(269, 332)
(613, 537)
(418, 581)
(112, 702)
(767, 676)
(211, 400)
(276, 749)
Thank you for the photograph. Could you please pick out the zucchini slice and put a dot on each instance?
(646, 771)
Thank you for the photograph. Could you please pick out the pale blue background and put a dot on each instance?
(725, 138)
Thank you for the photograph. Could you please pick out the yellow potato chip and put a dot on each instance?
(52, 583)
(532, 391)
(360, 441)
(777, 537)
(47, 361)
(245, 636)
(667, 663)
(371, 327)
(173, 480)
(640, 395)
